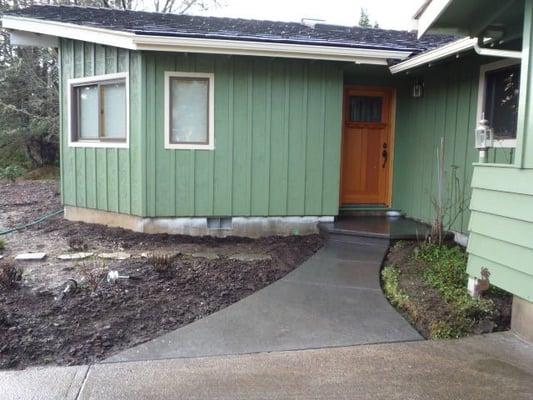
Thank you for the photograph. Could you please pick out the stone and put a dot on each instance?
(209, 256)
(30, 256)
(75, 256)
(250, 257)
(114, 256)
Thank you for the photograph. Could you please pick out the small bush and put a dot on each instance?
(76, 243)
(11, 172)
(446, 272)
(94, 273)
(162, 263)
(2, 245)
(10, 274)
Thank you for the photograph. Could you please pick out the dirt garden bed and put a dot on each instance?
(427, 284)
(188, 279)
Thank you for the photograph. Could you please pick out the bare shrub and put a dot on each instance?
(162, 263)
(10, 274)
(93, 273)
(76, 243)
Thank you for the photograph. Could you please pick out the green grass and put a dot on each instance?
(391, 280)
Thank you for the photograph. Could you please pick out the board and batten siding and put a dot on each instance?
(501, 227)
(277, 139)
(101, 178)
(447, 109)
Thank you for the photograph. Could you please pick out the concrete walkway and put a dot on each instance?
(495, 366)
(333, 299)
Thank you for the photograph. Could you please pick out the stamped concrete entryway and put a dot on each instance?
(333, 299)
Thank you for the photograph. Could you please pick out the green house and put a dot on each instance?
(201, 125)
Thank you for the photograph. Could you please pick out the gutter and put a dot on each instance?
(483, 51)
(440, 53)
(132, 41)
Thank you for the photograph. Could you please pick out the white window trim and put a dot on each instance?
(503, 143)
(211, 111)
(97, 79)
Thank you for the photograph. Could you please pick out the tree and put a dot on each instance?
(29, 89)
(364, 19)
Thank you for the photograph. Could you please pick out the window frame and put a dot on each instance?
(210, 145)
(483, 69)
(99, 80)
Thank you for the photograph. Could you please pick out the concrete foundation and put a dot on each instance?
(522, 318)
(197, 226)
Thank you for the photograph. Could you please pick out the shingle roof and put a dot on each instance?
(149, 23)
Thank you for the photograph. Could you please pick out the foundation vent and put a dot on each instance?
(220, 223)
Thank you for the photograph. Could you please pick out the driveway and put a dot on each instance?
(494, 366)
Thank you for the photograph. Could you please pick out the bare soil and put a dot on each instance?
(426, 305)
(98, 319)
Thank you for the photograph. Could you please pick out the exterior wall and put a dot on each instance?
(277, 139)
(501, 227)
(448, 109)
(102, 178)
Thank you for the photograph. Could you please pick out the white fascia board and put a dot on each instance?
(433, 11)
(445, 51)
(132, 41)
(69, 31)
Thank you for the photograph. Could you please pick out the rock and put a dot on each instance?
(250, 257)
(30, 256)
(1, 256)
(209, 256)
(75, 256)
(115, 256)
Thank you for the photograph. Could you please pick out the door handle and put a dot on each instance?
(385, 155)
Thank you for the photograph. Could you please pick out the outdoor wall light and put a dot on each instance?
(418, 89)
(484, 135)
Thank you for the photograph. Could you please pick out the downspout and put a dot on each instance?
(483, 51)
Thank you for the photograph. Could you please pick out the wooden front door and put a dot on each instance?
(366, 146)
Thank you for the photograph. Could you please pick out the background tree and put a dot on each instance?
(364, 20)
(29, 89)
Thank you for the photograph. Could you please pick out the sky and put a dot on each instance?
(390, 14)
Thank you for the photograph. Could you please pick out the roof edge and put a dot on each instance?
(439, 53)
(430, 14)
(134, 41)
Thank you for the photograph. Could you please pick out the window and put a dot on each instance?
(189, 99)
(365, 108)
(99, 111)
(499, 89)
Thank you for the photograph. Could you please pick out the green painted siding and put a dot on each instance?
(501, 227)
(277, 139)
(101, 178)
(447, 109)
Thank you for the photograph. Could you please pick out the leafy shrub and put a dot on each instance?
(446, 272)
(11, 172)
(10, 274)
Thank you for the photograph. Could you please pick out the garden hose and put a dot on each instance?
(37, 221)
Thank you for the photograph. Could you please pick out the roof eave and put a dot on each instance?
(132, 41)
(431, 13)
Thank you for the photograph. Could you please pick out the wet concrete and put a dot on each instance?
(333, 299)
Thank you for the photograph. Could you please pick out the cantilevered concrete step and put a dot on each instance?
(372, 229)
